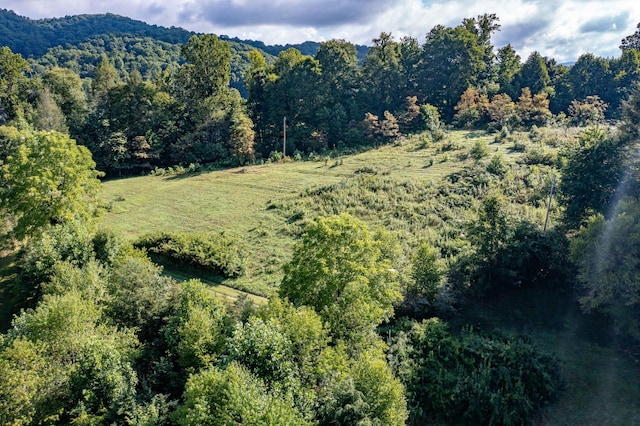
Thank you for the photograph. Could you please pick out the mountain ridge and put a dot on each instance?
(34, 37)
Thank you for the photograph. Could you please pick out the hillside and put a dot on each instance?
(418, 192)
(33, 38)
(76, 42)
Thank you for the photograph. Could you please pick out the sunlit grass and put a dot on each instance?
(241, 201)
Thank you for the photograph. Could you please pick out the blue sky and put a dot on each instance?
(560, 29)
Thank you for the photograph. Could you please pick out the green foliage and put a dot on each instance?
(234, 396)
(471, 379)
(588, 112)
(48, 116)
(14, 85)
(453, 58)
(67, 91)
(534, 74)
(427, 273)
(48, 180)
(62, 243)
(195, 332)
(46, 33)
(607, 258)
(382, 393)
(479, 150)
(510, 252)
(590, 176)
(303, 328)
(82, 365)
(216, 253)
(340, 270)
(207, 72)
(264, 349)
(139, 293)
(367, 393)
(497, 165)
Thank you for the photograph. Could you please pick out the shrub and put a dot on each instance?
(471, 378)
(213, 252)
(62, 243)
(497, 166)
(539, 155)
(479, 150)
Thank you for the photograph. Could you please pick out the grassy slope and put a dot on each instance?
(602, 386)
(241, 201)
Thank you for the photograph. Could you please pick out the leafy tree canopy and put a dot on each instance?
(47, 179)
(342, 271)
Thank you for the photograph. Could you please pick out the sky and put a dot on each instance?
(559, 29)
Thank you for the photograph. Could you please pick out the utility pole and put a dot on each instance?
(284, 137)
(551, 191)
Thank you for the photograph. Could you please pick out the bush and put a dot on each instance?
(479, 150)
(62, 243)
(497, 166)
(216, 253)
(471, 378)
(539, 155)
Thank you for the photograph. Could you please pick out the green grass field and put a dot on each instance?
(256, 203)
(266, 207)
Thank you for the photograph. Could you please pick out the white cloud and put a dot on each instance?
(561, 29)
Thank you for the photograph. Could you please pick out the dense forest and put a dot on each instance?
(367, 324)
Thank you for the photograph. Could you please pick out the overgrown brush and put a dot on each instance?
(471, 378)
(214, 252)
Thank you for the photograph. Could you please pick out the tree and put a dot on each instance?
(195, 332)
(471, 108)
(382, 74)
(534, 74)
(66, 88)
(606, 252)
(588, 112)
(234, 396)
(48, 179)
(339, 87)
(427, 272)
(242, 137)
(591, 175)
(626, 72)
(48, 115)
(508, 67)
(72, 365)
(305, 331)
(105, 78)
(591, 76)
(502, 110)
(631, 42)
(15, 90)
(208, 68)
(139, 294)
(452, 60)
(340, 269)
(533, 109)
(483, 26)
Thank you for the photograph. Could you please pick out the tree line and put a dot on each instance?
(191, 112)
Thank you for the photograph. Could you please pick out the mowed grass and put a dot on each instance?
(239, 202)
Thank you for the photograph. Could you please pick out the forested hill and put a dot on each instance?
(34, 38)
(31, 37)
(78, 43)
